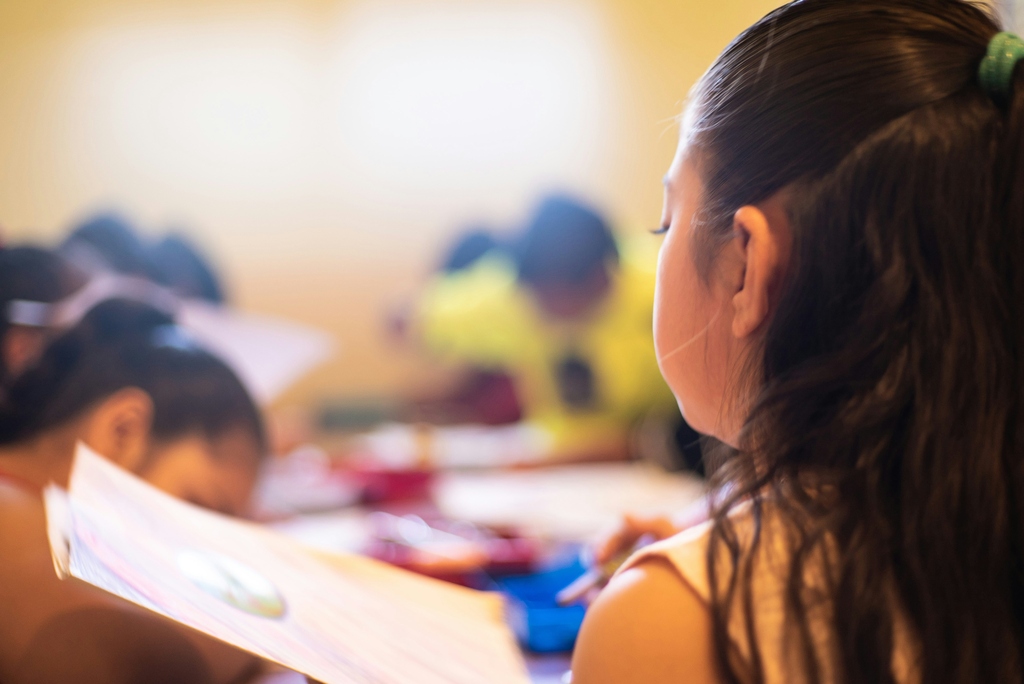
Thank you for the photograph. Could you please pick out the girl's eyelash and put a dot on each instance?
(660, 231)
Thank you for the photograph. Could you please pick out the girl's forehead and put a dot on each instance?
(675, 172)
(683, 179)
(687, 124)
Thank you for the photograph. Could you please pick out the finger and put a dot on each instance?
(615, 544)
(622, 538)
(606, 547)
(661, 528)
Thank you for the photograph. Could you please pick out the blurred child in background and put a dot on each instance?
(180, 266)
(132, 386)
(109, 243)
(565, 310)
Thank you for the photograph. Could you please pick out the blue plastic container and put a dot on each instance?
(539, 622)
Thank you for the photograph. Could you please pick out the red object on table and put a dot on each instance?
(381, 484)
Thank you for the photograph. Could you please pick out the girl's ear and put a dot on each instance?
(764, 239)
(119, 428)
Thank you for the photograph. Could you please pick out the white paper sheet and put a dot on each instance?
(338, 619)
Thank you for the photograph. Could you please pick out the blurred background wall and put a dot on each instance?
(324, 150)
(1013, 12)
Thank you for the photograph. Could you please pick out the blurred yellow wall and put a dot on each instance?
(89, 120)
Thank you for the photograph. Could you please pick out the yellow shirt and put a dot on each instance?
(483, 317)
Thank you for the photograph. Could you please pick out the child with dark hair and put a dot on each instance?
(839, 297)
(566, 257)
(179, 265)
(136, 389)
(108, 242)
(565, 311)
(32, 274)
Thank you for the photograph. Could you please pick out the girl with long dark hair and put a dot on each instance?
(839, 298)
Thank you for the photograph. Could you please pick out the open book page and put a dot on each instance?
(336, 619)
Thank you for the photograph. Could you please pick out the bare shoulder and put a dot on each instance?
(53, 630)
(29, 589)
(22, 518)
(648, 626)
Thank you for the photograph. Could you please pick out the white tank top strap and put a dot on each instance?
(687, 553)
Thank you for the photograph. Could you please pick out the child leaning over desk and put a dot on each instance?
(839, 297)
(565, 310)
(133, 387)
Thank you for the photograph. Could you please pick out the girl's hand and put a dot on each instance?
(611, 552)
(634, 532)
(634, 527)
(630, 531)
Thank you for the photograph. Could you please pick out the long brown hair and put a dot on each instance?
(888, 413)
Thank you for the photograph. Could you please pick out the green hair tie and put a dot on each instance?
(995, 74)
